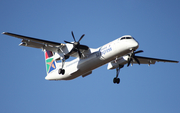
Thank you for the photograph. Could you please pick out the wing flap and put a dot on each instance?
(31, 44)
(36, 43)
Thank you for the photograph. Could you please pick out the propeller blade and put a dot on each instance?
(73, 36)
(140, 51)
(81, 38)
(79, 53)
(129, 62)
(68, 42)
(70, 52)
(84, 47)
(132, 56)
(136, 60)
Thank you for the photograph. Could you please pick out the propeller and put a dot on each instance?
(132, 56)
(76, 45)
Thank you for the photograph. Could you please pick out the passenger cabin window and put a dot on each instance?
(126, 38)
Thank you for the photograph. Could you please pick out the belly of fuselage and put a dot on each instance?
(91, 63)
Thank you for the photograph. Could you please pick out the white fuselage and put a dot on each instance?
(99, 57)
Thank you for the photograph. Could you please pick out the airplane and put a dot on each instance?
(116, 53)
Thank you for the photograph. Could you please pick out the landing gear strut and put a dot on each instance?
(61, 70)
(116, 79)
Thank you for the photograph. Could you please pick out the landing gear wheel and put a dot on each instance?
(116, 80)
(61, 71)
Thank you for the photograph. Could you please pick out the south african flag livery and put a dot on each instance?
(50, 63)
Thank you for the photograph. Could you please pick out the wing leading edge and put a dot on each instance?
(148, 60)
(36, 43)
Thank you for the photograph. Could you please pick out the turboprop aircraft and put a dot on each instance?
(117, 53)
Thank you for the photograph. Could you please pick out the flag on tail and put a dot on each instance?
(50, 63)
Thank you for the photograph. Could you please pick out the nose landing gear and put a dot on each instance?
(116, 79)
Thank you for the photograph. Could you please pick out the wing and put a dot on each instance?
(148, 60)
(36, 43)
(62, 49)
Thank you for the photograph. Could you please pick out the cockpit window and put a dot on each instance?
(126, 38)
(122, 38)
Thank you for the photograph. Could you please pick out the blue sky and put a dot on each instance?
(154, 24)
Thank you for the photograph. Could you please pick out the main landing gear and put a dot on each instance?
(61, 70)
(116, 79)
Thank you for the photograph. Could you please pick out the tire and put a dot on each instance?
(118, 80)
(114, 80)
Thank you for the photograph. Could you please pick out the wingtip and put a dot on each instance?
(4, 33)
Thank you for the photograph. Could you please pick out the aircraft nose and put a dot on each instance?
(135, 45)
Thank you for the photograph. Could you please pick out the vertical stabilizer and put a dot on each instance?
(50, 62)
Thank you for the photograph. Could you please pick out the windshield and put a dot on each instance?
(126, 38)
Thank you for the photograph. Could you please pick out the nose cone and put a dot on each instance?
(135, 45)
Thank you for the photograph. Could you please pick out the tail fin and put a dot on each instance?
(50, 62)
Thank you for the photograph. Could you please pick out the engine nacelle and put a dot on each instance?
(115, 64)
